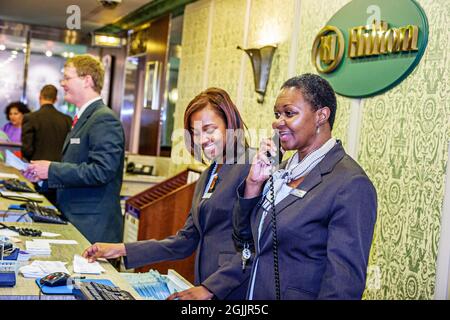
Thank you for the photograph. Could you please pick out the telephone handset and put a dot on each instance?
(276, 159)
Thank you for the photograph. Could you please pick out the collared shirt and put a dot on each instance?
(84, 106)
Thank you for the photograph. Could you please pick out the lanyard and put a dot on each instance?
(211, 183)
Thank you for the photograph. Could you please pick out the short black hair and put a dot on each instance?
(22, 107)
(316, 90)
(49, 92)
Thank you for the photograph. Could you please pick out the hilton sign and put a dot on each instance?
(387, 50)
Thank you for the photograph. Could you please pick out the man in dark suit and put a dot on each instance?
(89, 177)
(44, 131)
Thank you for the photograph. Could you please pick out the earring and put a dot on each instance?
(318, 130)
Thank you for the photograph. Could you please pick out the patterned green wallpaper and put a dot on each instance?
(191, 74)
(274, 21)
(404, 132)
(314, 15)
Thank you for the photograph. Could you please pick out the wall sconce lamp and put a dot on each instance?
(261, 59)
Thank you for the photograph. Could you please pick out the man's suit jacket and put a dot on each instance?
(43, 133)
(208, 231)
(89, 178)
(324, 237)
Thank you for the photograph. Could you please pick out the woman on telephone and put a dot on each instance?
(215, 131)
(313, 240)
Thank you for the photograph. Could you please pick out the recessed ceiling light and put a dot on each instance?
(48, 53)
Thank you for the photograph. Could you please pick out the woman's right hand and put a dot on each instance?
(260, 170)
(104, 250)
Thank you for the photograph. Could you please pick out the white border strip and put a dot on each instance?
(354, 127)
(442, 287)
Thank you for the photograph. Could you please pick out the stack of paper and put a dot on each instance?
(57, 241)
(82, 265)
(38, 248)
(4, 175)
(10, 233)
(23, 256)
(38, 269)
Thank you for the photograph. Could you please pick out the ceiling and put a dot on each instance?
(52, 13)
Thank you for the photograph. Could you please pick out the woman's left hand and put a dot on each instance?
(195, 293)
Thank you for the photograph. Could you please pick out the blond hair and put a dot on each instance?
(88, 65)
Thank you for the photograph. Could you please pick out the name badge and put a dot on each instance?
(75, 141)
(207, 196)
(298, 193)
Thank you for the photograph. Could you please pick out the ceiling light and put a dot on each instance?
(2, 47)
(105, 40)
(48, 53)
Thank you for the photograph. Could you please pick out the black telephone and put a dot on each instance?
(139, 169)
(280, 152)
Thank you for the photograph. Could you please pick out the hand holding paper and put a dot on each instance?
(81, 265)
(39, 169)
(30, 176)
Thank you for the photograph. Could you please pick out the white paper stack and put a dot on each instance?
(4, 175)
(38, 248)
(38, 269)
(57, 241)
(23, 256)
(82, 265)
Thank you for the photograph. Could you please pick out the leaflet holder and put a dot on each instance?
(161, 211)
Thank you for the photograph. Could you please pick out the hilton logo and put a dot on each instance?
(369, 46)
(328, 49)
(364, 41)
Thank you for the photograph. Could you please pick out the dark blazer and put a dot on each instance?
(89, 178)
(207, 231)
(43, 133)
(324, 237)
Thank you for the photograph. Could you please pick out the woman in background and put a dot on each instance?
(211, 122)
(14, 114)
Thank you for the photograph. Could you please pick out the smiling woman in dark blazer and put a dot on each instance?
(215, 129)
(325, 205)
